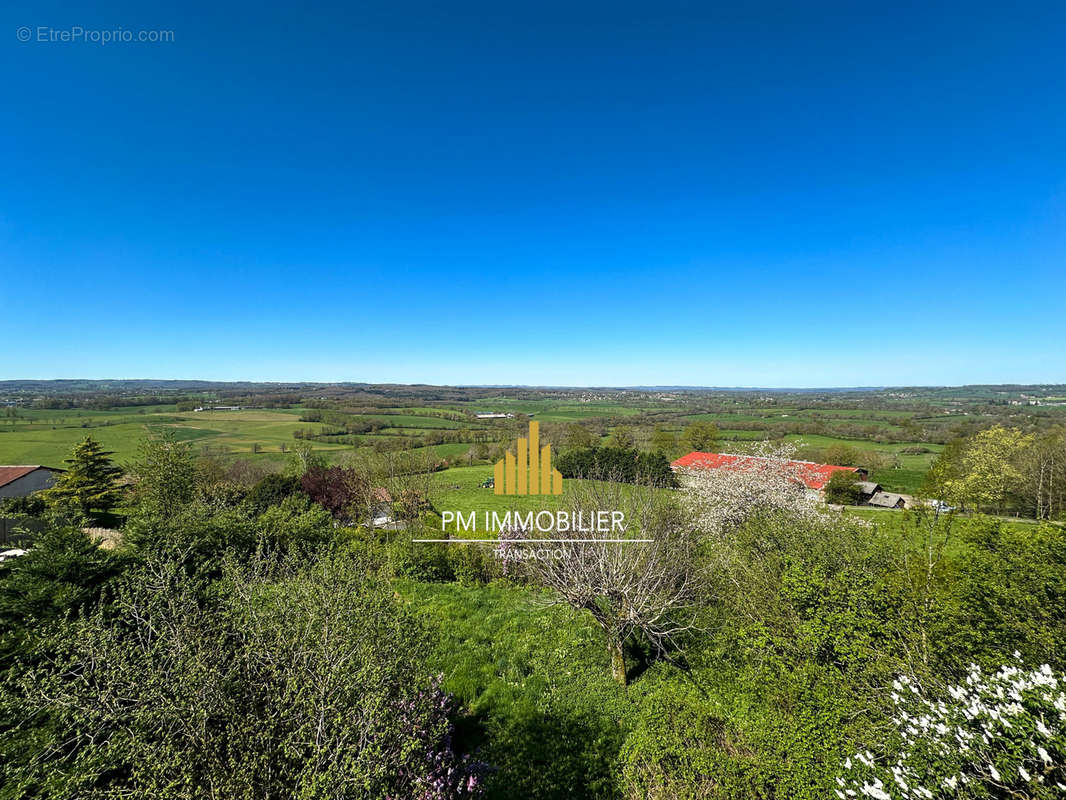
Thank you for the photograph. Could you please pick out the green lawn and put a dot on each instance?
(727, 435)
(534, 681)
(412, 421)
(458, 489)
(555, 411)
(50, 446)
(47, 437)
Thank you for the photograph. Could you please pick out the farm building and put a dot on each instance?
(887, 500)
(25, 479)
(814, 476)
(867, 489)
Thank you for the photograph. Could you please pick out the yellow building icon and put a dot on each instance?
(531, 472)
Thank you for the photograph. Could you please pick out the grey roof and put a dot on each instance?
(868, 487)
(885, 499)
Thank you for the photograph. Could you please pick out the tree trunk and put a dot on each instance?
(618, 661)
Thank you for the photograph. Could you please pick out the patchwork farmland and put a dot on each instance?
(894, 434)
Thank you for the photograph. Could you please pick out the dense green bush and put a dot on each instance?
(221, 495)
(421, 562)
(757, 731)
(473, 564)
(617, 464)
(271, 490)
(280, 682)
(820, 591)
(201, 535)
(65, 574)
(681, 746)
(803, 629)
(842, 488)
(1009, 595)
(32, 505)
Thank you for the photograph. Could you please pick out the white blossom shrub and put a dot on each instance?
(769, 480)
(993, 736)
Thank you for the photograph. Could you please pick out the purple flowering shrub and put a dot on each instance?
(438, 772)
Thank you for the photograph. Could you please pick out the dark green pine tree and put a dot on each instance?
(89, 482)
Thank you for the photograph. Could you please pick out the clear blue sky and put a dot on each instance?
(793, 194)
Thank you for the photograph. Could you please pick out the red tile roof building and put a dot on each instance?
(815, 476)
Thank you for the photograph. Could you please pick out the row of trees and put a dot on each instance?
(699, 435)
(619, 464)
(1003, 469)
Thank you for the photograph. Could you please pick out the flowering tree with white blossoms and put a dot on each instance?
(767, 480)
(994, 736)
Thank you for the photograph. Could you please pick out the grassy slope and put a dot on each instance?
(458, 489)
(535, 681)
(47, 437)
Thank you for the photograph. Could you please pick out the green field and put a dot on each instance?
(47, 438)
(442, 424)
(458, 489)
(555, 411)
(413, 421)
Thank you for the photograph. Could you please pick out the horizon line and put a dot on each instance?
(542, 386)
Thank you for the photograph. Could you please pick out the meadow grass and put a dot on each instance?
(458, 489)
(412, 421)
(48, 436)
